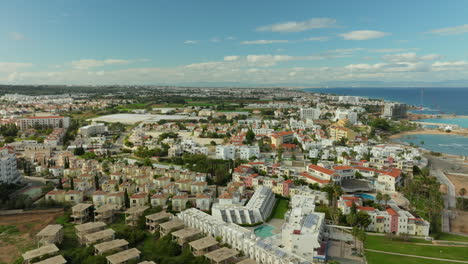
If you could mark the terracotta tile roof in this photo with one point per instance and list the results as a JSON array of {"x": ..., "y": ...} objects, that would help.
[
  {"x": 392, "y": 212},
  {"x": 139, "y": 195},
  {"x": 307, "y": 175},
  {"x": 366, "y": 208},
  {"x": 321, "y": 169}
]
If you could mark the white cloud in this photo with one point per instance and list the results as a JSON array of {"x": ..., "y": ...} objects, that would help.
[
  {"x": 317, "y": 39},
  {"x": 410, "y": 57},
  {"x": 17, "y": 36},
  {"x": 297, "y": 26},
  {"x": 450, "y": 30},
  {"x": 13, "y": 66},
  {"x": 215, "y": 39},
  {"x": 390, "y": 50},
  {"x": 191, "y": 42},
  {"x": 231, "y": 58},
  {"x": 91, "y": 63},
  {"x": 364, "y": 35},
  {"x": 450, "y": 66},
  {"x": 263, "y": 41},
  {"x": 230, "y": 38}
]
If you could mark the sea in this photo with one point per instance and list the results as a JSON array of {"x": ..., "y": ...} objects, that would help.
[{"x": 432, "y": 101}]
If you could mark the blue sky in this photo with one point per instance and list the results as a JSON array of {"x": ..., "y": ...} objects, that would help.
[{"x": 304, "y": 43}]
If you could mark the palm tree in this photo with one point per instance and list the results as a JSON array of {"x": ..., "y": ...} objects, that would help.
[
  {"x": 355, "y": 232},
  {"x": 362, "y": 236},
  {"x": 386, "y": 198},
  {"x": 379, "y": 197},
  {"x": 462, "y": 193}
]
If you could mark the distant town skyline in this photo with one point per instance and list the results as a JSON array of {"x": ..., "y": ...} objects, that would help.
[{"x": 257, "y": 43}]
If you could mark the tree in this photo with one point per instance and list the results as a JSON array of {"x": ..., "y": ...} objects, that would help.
[
  {"x": 126, "y": 199},
  {"x": 72, "y": 184},
  {"x": 379, "y": 197},
  {"x": 362, "y": 236},
  {"x": 250, "y": 136},
  {"x": 462, "y": 193},
  {"x": 386, "y": 197},
  {"x": 60, "y": 184},
  {"x": 355, "y": 232},
  {"x": 96, "y": 182},
  {"x": 351, "y": 219},
  {"x": 363, "y": 219}
]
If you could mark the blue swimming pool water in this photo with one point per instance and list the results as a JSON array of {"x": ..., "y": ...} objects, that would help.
[
  {"x": 365, "y": 196},
  {"x": 264, "y": 231}
]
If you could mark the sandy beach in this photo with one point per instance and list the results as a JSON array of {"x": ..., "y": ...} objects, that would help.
[{"x": 430, "y": 132}]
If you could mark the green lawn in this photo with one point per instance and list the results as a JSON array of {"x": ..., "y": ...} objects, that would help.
[
  {"x": 280, "y": 209},
  {"x": 379, "y": 258},
  {"x": 446, "y": 252},
  {"x": 451, "y": 237}
]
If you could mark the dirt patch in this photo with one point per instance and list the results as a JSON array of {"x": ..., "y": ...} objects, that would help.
[
  {"x": 459, "y": 224},
  {"x": 459, "y": 182},
  {"x": 28, "y": 225}
]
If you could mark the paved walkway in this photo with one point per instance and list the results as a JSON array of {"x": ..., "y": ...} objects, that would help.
[{"x": 415, "y": 256}]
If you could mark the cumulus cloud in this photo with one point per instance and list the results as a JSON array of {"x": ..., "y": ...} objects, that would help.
[
  {"x": 450, "y": 66},
  {"x": 364, "y": 35},
  {"x": 317, "y": 39},
  {"x": 231, "y": 58},
  {"x": 389, "y": 50},
  {"x": 13, "y": 66},
  {"x": 91, "y": 63},
  {"x": 410, "y": 57},
  {"x": 191, "y": 42},
  {"x": 450, "y": 30},
  {"x": 263, "y": 41},
  {"x": 298, "y": 26}
]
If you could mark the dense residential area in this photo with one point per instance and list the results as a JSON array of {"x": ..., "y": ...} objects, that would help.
[{"x": 169, "y": 175}]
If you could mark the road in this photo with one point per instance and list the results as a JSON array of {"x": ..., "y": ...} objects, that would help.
[
  {"x": 450, "y": 198},
  {"x": 415, "y": 256}
]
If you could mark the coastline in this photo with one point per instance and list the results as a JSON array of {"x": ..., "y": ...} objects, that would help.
[{"x": 429, "y": 132}]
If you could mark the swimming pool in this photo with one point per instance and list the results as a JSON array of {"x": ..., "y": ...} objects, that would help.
[
  {"x": 365, "y": 196},
  {"x": 264, "y": 231}
]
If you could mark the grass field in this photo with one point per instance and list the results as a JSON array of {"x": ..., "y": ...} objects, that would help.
[
  {"x": 446, "y": 252},
  {"x": 17, "y": 233},
  {"x": 280, "y": 209},
  {"x": 379, "y": 258},
  {"x": 451, "y": 237}
]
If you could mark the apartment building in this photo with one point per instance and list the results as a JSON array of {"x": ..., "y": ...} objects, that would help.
[
  {"x": 8, "y": 171},
  {"x": 226, "y": 152},
  {"x": 43, "y": 121},
  {"x": 258, "y": 209}
]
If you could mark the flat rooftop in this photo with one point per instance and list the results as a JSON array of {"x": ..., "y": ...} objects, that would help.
[
  {"x": 136, "y": 210},
  {"x": 81, "y": 207},
  {"x": 124, "y": 256},
  {"x": 158, "y": 216},
  {"x": 89, "y": 226},
  {"x": 186, "y": 232},
  {"x": 172, "y": 224},
  {"x": 203, "y": 243},
  {"x": 93, "y": 237},
  {"x": 105, "y": 208},
  {"x": 222, "y": 254},
  {"x": 53, "y": 260},
  {"x": 50, "y": 230},
  {"x": 109, "y": 245},
  {"x": 48, "y": 249},
  {"x": 247, "y": 261}
]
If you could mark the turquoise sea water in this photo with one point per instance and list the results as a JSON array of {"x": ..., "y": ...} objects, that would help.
[
  {"x": 433, "y": 100},
  {"x": 451, "y": 144},
  {"x": 462, "y": 122},
  {"x": 264, "y": 231}
]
